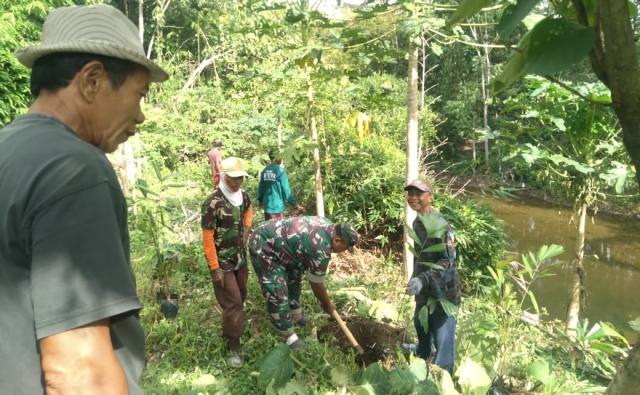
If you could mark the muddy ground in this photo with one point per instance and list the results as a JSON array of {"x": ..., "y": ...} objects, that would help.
[{"x": 379, "y": 341}]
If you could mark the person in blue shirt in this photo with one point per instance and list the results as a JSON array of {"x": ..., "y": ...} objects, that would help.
[{"x": 273, "y": 189}]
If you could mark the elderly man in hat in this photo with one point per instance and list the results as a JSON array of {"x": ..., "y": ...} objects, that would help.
[
  {"x": 69, "y": 319},
  {"x": 282, "y": 250},
  {"x": 215, "y": 159},
  {"x": 226, "y": 225}
]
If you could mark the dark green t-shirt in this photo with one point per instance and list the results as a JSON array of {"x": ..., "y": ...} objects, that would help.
[{"x": 64, "y": 250}]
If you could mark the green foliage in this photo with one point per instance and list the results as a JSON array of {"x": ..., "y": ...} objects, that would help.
[
  {"x": 513, "y": 14},
  {"x": 576, "y": 143},
  {"x": 276, "y": 367},
  {"x": 571, "y": 43}
]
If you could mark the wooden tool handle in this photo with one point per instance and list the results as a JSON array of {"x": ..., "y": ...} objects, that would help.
[{"x": 347, "y": 332}]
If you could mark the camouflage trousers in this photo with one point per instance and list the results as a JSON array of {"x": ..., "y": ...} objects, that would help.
[{"x": 281, "y": 288}]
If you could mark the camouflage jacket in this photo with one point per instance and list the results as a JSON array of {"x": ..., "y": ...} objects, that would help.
[
  {"x": 298, "y": 243},
  {"x": 439, "y": 283},
  {"x": 226, "y": 221}
]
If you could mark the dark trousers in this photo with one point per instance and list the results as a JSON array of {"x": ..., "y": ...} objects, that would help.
[
  {"x": 442, "y": 332},
  {"x": 267, "y": 217},
  {"x": 231, "y": 298}
]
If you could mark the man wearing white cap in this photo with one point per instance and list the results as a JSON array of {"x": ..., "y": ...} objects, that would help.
[
  {"x": 226, "y": 225},
  {"x": 69, "y": 316}
]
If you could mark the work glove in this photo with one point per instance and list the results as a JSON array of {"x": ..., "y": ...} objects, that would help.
[{"x": 414, "y": 286}]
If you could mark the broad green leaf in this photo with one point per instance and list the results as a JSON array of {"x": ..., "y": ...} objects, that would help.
[
  {"x": 277, "y": 366},
  {"x": 401, "y": 381},
  {"x": 604, "y": 347},
  {"x": 435, "y": 248},
  {"x": 432, "y": 265},
  {"x": 514, "y": 68},
  {"x": 363, "y": 309},
  {"x": 635, "y": 324},
  {"x": 341, "y": 376},
  {"x": 434, "y": 224},
  {"x": 472, "y": 378},
  {"x": 381, "y": 309},
  {"x": 547, "y": 252},
  {"x": 449, "y": 308},
  {"x": 446, "y": 384},
  {"x": 144, "y": 188},
  {"x": 633, "y": 9},
  {"x": 156, "y": 168},
  {"x": 534, "y": 302},
  {"x": 609, "y": 331},
  {"x": 541, "y": 371},
  {"x": 414, "y": 236},
  {"x": 559, "y": 122},
  {"x": 294, "y": 387},
  {"x": 423, "y": 317},
  {"x": 418, "y": 368},
  {"x": 467, "y": 9},
  {"x": 374, "y": 380},
  {"x": 500, "y": 264},
  {"x": 557, "y": 44},
  {"x": 514, "y": 14}
]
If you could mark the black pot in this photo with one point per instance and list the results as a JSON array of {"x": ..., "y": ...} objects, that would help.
[{"x": 170, "y": 307}]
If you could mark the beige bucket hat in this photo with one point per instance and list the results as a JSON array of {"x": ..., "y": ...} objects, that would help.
[
  {"x": 100, "y": 29},
  {"x": 234, "y": 167}
]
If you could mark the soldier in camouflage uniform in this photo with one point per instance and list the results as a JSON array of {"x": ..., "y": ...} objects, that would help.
[
  {"x": 428, "y": 281},
  {"x": 226, "y": 225},
  {"x": 281, "y": 251}
]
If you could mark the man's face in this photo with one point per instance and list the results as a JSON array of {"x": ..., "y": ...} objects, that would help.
[
  {"x": 418, "y": 200},
  {"x": 233, "y": 183},
  {"x": 115, "y": 113},
  {"x": 337, "y": 244}
]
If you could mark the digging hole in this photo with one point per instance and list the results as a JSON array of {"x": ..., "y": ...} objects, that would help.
[{"x": 378, "y": 340}]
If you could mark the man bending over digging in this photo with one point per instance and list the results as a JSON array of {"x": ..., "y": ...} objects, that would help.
[{"x": 281, "y": 250}]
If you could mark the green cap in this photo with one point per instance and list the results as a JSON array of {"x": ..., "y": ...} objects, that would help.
[{"x": 348, "y": 234}]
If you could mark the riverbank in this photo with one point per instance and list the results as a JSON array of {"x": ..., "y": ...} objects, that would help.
[{"x": 483, "y": 183}]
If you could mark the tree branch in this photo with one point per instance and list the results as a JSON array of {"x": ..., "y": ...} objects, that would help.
[
  {"x": 575, "y": 92},
  {"x": 200, "y": 68}
]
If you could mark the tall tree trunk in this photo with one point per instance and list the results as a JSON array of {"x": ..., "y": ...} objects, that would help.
[
  {"x": 316, "y": 153},
  {"x": 412, "y": 149},
  {"x": 141, "y": 20},
  {"x": 486, "y": 77},
  {"x": 578, "y": 283},
  {"x": 617, "y": 66},
  {"x": 473, "y": 151},
  {"x": 627, "y": 379}
]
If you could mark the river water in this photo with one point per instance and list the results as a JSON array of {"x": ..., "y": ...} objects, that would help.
[{"x": 612, "y": 249}]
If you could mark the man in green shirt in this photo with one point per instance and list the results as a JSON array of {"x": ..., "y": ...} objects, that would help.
[
  {"x": 273, "y": 189},
  {"x": 69, "y": 312}
]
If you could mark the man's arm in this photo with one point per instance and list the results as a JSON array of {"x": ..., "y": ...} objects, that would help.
[
  {"x": 320, "y": 291},
  {"x": 82, "y": 361}
]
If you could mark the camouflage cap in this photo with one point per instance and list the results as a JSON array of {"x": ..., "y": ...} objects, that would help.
[{"x": 348, "y": 234}]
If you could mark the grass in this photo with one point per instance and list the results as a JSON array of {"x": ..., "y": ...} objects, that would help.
[{"x": 189, "y": 351}]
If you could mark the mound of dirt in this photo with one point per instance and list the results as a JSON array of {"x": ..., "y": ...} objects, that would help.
[{"x": 378, "y": 340}]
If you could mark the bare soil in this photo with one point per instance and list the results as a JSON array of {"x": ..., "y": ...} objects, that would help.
[{"x": 378, "y": 340}]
